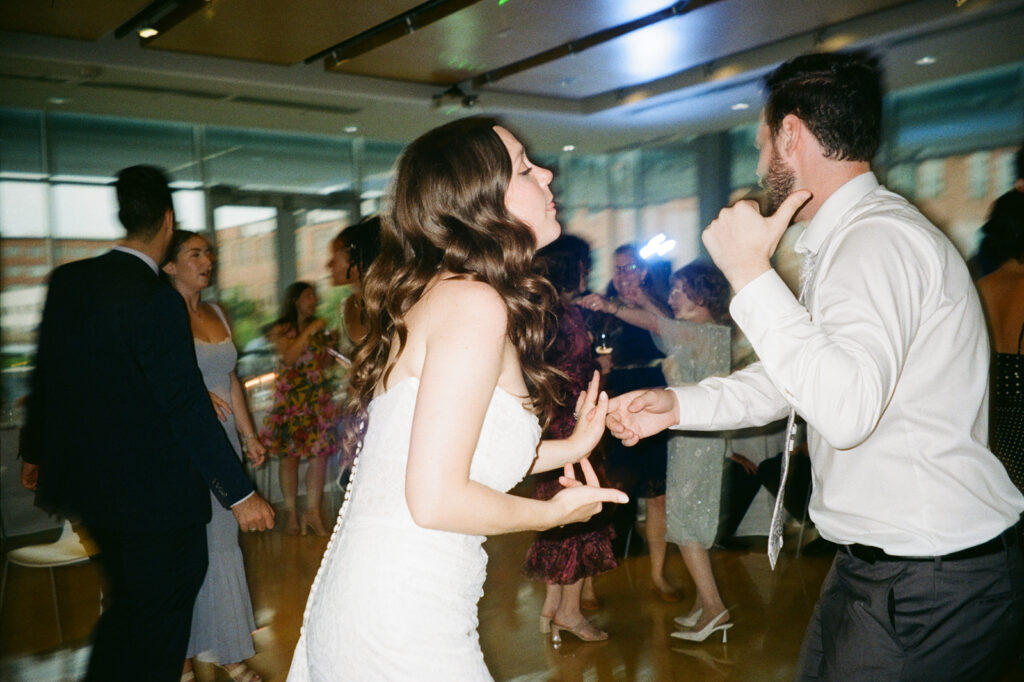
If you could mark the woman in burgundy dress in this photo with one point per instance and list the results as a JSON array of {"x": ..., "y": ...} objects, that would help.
[{"x": 567, "y": 557}]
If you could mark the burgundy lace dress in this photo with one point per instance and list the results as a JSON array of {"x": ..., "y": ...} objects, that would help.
[{"x": 563, "y": 556}]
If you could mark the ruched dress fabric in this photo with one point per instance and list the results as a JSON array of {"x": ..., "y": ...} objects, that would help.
[
  {"x": 392, "y": 600},
  {"x": 696, "y": 461},
  {"x": 222, "y": 620}
]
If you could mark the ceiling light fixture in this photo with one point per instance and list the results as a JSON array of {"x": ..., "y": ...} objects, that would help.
[
  {"x": 454, "y": 96},
  {"x": 159, "y": 16},
  {"x": 351, "y": 129},
  {"x": 569, "y": 148},
  {"x": 740, "y": 106},
  {"x": 415, "y": 19},
  {"x": 926, "y": 60}
]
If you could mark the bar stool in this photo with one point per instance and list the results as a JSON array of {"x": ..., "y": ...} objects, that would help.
[{"x": 68, "y": 550}]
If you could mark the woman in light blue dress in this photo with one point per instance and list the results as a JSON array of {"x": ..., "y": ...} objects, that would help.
[
  {"x": 222, "y": 619},
  {"x": 696, "y": 345}
]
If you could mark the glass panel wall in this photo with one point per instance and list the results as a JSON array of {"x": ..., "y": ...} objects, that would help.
[
  {"x": 247, "y": 269},
  {"x": 948, "y": 147},
  {"x": 94, "y": 148},
  {"x": 271, "y": 161}
]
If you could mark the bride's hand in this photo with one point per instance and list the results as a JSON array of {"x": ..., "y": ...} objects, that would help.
[
  {"x": 579, "y": 501},
  {"x": 591, "y": 410}
]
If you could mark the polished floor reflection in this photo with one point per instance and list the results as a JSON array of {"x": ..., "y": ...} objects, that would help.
[{"x": 769, "y": 610}]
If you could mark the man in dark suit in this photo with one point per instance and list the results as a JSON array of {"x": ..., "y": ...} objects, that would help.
[{"x": 121, "y": 434}]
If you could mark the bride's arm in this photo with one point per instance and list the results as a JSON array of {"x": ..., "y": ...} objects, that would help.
[
  {"x": 591, "y": 410},
  {"x": 465, "y": 349}
]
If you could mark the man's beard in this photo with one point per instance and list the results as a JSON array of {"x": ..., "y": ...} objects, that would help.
[{"x": 778, "y": 183}]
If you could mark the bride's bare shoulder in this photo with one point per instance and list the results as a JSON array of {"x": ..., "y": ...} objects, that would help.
[{"x": 464, "y": 299}]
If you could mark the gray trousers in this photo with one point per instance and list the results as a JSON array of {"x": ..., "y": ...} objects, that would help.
[{"x": 915, "y": 620}]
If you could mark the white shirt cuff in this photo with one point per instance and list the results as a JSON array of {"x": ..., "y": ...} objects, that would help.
[{"x": 243, "y": 499}]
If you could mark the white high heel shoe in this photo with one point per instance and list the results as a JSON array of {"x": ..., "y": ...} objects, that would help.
[
  {"x": 708, "y": 630},
  {"x": 690, "y": 620}
]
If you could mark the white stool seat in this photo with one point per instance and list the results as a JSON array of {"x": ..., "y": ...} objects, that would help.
[{"x": 69, "y": 549}]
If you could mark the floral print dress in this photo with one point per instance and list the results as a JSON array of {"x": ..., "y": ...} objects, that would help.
[{"x": 303, "y": 420}]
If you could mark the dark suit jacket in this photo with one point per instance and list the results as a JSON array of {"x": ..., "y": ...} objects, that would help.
[{"x": 119, "y": 420}]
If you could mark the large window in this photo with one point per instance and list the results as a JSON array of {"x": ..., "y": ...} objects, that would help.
[
  {"x": 273, "y": 200},
  {"x": 247, "y": 268}
]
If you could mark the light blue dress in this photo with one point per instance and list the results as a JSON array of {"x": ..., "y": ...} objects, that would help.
[
  {"x": 696, "y": 461},
  {"x": 222, "y": 620}
]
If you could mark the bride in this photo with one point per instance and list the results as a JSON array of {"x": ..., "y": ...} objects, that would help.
[{"x": 446, "y": 392}]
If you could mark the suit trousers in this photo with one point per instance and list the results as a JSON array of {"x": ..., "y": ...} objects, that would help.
[
  {"x": 915, "y": 620},
  {"x": 152, "y": 581}
]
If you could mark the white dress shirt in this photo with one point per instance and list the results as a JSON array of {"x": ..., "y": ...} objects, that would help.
[
  {"x": 888, "y": 364},
  {"x": 141, "y": 256}
]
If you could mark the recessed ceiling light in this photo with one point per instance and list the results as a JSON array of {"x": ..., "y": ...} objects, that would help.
[
  {"x": 58, "y": 100},
  {"x": 568, "y": 148},
  {"x": 926, "y": 60},
  {"x": 504, "y": 33},
  {"x": 351, "y": 129},
  {"x": 148, "y": 32},
  {"x": 740, "y": 106}
]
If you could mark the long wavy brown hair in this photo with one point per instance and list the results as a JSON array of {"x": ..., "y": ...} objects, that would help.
[{"x": 447, "y": 214}]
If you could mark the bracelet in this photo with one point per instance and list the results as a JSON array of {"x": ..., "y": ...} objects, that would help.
[{"x": 249, "y": 437}]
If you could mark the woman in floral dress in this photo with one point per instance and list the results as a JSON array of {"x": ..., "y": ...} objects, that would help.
[{"x": 302, "y": 423}]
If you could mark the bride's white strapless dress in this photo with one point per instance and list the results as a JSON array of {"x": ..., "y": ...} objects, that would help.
[{"x": 392, "y": 600}]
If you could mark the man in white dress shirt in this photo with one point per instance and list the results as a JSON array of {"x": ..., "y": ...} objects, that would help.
[{"x": 885, "y": 356}]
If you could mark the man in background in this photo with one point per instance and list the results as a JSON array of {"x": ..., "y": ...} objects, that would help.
[{"x": 121, "y": 434}]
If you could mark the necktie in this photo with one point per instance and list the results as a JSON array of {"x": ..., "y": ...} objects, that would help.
[{"x": 775, "y": 529}]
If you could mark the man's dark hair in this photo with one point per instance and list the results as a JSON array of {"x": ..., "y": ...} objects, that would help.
[
  {"x": 837, "y": 96},
  {"x": 143, "y": 198},
  {"x": 1018, "y": 163},
  {"x": 1003, "y": 233}
]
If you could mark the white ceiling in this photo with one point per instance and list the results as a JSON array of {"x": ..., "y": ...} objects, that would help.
[{"x": 239, "y": 63}]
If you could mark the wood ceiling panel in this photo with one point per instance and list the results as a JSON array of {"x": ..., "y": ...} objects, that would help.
[
  {"x": 489, "y": 34},
  {"x": 278, "y": 32},
  {"x": 82, "y": 19},
  {"x": 696, "y": 38}
]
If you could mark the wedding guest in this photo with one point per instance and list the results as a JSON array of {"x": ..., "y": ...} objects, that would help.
[
  {"x": 301, "y": 424},
  {"x": 447, "y": 390},
  {"x": 697, "y": 345},
  {"x": 885, "y": 356},
  {"x": 564, "y": 558},
  {"x": 1002, "y": 294},
  {"x": 222, "y": 620},
  {"x": 352, "y": 251},
  {"x": 636, "y": 363},
  {"x": 120, "y": 433}
]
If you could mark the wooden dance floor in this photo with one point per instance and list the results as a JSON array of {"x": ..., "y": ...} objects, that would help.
[{"x": 769, "y": 610}]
